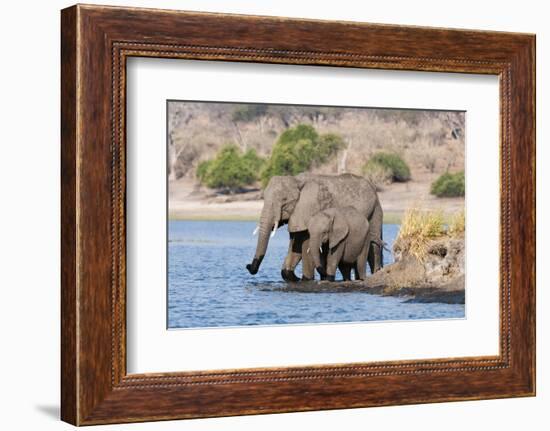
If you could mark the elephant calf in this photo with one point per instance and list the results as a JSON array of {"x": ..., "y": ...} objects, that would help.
[{"x": 346, "y": 232}]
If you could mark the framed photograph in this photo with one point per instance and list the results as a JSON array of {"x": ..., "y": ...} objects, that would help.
[{"x": 264, "y": 214}]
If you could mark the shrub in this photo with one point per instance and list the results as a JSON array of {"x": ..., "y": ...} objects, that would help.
[
  {"x": 230, "y": 169},
  {"x": 378, "y": 174},
  {"x": 202, "y": 169},
  {"x": 417, "y": 229},
  {"x": 449, "y": 185},
  {"x": 252, "y": 160},
  {"x": 327, "y": 146},
  {"x": 395, "y": 165},
  {"x": 298, "y": 149}
]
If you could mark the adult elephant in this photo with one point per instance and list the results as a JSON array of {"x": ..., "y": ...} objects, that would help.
[{"x": 294, "y": 200}]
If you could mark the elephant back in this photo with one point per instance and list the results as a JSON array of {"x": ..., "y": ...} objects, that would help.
[{"x": 322, "y": 192}]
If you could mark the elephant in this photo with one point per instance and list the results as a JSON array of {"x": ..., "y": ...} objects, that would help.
[
  {"x": 293, "y": 200},
  {"x": 280, "y": 198},
  {"x": 345, "y": 230}
]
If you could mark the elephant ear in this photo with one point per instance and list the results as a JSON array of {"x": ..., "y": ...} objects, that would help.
[
  {"x": 307, "y": 205},
  {"x": 283, "y": 195},
  {"x": 338, "y": 231},
  {"x": 292, "y": 196}
]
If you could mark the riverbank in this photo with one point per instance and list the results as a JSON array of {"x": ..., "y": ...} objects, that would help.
[
  {"x": 450, "y": 293},
  {"x": 434, "y": 276},
  {"x": 236, "y": 214},
  {"x": 190, "y": 201}
]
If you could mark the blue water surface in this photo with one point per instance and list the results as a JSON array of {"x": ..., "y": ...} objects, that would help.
[{"x": 209, "y": 286}]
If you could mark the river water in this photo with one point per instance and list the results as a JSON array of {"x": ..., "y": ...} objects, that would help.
[{"x": 209, "y": 286}]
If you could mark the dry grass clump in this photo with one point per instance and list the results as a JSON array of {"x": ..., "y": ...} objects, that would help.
[
  {"x": 417, "y": 229},
  {"x": 457, "y": 224}
]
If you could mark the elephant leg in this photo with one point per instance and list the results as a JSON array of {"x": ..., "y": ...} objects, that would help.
[
  {"x": 361, "y": 264},
  {"x": 308, "y": 267},
  {"x": 375, "y": 258},
  {"x": 286, "y": 263},
  {"x": 291, "y": 260},
  {"x": 294, "y": 255},
  {"x": 345, "y": 269},
  {"x": 333, "y": 259},
  {"x": 324, "y": 254}
]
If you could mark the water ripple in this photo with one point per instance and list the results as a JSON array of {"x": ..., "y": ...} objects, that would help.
[{"x": 208, "y": 285}]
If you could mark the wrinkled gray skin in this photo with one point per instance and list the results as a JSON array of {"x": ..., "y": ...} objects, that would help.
[
  {"x": 280, "y": 198},
  {"x": 345, "y": 231},
  {"x": 294, "y": 200}
]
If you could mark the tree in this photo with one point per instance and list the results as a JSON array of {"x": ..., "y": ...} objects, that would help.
[
  {"x": 178, "y": 118},
  {"x": 286, "y": 114},
  {"x": 342, "y": 165},
  {"x": 298, "y": 149},
  {"x": 245, "y": 114},
  {"x": 249, "y": 112}
]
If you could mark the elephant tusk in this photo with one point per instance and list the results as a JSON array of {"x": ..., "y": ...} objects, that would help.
[
  {"x": 307, "y": 251},
  {"x": 274, "y": 229},
  {"x": 321, "y": 249},
  {"x": 255, "y": 231}
]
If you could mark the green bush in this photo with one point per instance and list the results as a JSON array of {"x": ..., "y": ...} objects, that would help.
[
  {"x": 449, "y": 185},
  {"x": 298, "y": 149},
  {"x": 327, "y": 146},
  {"x": 379, "y": 175},
  {"x": 391, "y": 163},
  {"x": 252, "y": 160},
  {"x": 202, "y": 170},
  {"x": 230, "y": 169}
]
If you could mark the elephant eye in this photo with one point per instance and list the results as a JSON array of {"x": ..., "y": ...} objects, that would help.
[{"x": 284, "y": 207}]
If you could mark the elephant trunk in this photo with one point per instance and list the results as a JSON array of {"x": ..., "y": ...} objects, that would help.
[
  {"x": 266, "y": 223},
  {"x": 315, "y": 251}
]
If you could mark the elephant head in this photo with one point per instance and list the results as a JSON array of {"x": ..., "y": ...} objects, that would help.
[
  {"x": 328, "y": 226},
  {"x": 314, "y": 197},
  {"x": 280, "y": 197}
]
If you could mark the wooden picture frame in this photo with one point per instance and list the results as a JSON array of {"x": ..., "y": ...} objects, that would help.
[{"x": 95, "y": 43}]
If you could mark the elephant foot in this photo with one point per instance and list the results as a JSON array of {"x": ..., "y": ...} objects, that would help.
[
  {"x": 304, "y": 278},
  {"x": 330, "y": 277},
  {"x": 321, "y": 272},
  {"x": 255, "y": 265},
  {"x": 288, "y": 275}
]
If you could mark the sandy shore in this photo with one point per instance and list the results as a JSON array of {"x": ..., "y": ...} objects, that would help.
[{"x": 187, "y": 201}]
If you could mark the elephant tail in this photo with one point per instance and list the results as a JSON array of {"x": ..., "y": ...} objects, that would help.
[{"x": 383, "y": 245}]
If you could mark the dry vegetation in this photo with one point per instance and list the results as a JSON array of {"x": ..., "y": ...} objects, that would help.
[
  {"x": 419, "y": 228},
  {"x": 429, "y": 252},
  {"x": 429, "y": 141}
]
